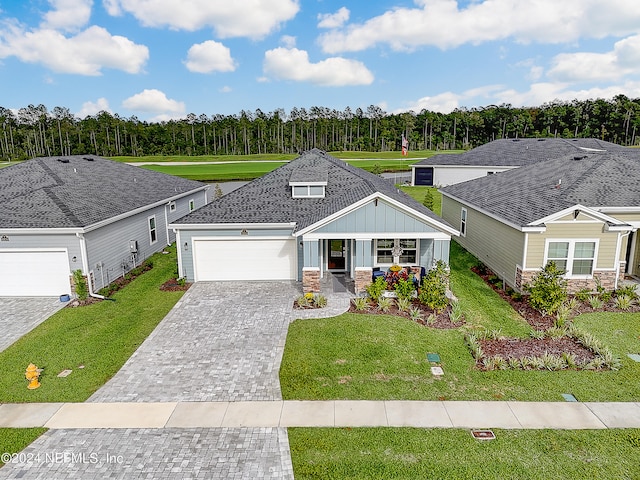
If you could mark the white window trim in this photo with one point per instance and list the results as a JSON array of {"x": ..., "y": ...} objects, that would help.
[
  {"x": 463, "y": 222},
  {"x": 192, "y": 205},
  {"x": 308, "y": 194},
  {"x": 570, "y": 258},
  {"x": 396, "y": 260},
  {"x": 154, "y": 229}
]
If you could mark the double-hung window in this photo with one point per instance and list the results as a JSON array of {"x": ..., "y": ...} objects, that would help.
[
  {"x": 396, "y": 250},
  {"x": 575, "y": 257},
  {"x": 153, "y": 234}
]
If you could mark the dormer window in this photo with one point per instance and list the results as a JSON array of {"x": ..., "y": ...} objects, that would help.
[
  {"x": 308, "y": 182},
  {"x": 307, "y": 191}
]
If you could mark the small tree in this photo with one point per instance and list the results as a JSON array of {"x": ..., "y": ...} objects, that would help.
[
  {"x": 548, "y": 289},
  {"x": 433, "y": 292},
  {"x": 217, "y": 192},
  {"x": 82, "y": 289},
  {"x": 428, "y": 199}
]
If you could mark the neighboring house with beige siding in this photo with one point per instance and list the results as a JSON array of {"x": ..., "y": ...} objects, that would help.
[{"x": 580, "y": 211}]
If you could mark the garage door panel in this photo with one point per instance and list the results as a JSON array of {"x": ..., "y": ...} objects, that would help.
[
  {"x": 34, "y": 273},
  {"x": 244, "y": 259}
]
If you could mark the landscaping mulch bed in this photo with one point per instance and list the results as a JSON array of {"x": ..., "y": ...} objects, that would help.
[
  {"x": 173, "y": 285},
  {"x": 440, "y": 320},
  {"x": 533, "y": 347}
]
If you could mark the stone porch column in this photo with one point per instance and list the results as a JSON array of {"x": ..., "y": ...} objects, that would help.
[{"x": 311, "y": 279}]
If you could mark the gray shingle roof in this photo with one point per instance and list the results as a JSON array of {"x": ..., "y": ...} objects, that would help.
[
  {"x": 268, "y": 198},
  {"x": 519, "y": 152},
  {"x": 79, "y": 191},
  {"x": 524, "y": 195}
]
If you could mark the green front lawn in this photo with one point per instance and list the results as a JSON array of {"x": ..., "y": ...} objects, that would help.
[
  {"x": 93, "y": 341},
  {"x": 359, "y": 356},
  {"x": 408, "y": 453}
]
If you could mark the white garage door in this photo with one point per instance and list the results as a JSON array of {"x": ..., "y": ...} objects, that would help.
[
  {"x": 263, "y": 259},
  {"x": 34, "y": 273}
]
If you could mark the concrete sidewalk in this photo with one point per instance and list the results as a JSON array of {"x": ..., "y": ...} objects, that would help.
[{"x": 333, "y": 413}]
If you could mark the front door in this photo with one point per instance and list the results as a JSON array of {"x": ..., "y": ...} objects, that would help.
[{"x": 336, "y": 260}]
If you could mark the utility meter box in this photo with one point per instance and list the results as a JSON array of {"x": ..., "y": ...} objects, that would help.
[{"x": 133, "y": 246}]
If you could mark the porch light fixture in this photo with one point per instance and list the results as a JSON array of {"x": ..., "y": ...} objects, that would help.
[
  {"x": 244, "y": 232},
  {"x": 186, "y": 246},
  {"x": 74, "y": 259}
]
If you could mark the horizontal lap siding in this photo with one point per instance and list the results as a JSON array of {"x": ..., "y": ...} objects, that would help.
[
  {"x": 495, "y": 244},
  {"x": 607, "y": 242}
]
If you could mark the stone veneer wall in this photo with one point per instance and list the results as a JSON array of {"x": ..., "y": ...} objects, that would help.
[
  {"x": 363, "y": 279},
  {"x": 311, "y": 279},
  {"x": 607, "y": 279}
]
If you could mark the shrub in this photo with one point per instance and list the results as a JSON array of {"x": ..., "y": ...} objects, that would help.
[
  {"x": 361, "y": 304},
  {"x": 428, "y": 199},
  {"x": 433, "y": 292},
  {"x": 627, "y": 291},
  {"x": 403, "y": 304},
  {"x": 548, "y": 290},
  {"x": 82, "y": 289},
  {"x": 385, "y": 304},
  {"x": 583, "y": 295},
  {"x": 623, "y": 302},
  {"x": 320, "y": 300},
  {"x": 415, "y": 314},
  {"x": 376, "y": 288},
  {"x": 404, "y": 288},
  {"x": 595, "y": 302},
  {"x": 456, "y": 312}
]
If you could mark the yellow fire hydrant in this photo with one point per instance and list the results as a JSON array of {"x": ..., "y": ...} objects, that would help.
[{"x": 32, "y": 375}]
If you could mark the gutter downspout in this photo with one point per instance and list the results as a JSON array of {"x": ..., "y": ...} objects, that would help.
[
  {"x": 166, "y": 221},
  {"x": 85, "y": 264}
]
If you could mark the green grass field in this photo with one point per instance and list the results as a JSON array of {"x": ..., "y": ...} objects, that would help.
[{"x": 408, "y": 453}]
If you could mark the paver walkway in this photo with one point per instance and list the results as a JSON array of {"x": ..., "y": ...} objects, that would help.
[{"x": 20, "y": 315}]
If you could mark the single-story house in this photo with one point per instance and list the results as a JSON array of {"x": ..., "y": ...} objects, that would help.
[
  {"x": 312, "y": 215},
  {"x": 61, "y": 214},
  {"x": 499, "y": 156},
  {"x": 581, "y": 211}
]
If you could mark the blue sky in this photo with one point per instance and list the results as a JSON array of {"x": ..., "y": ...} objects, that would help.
[{"x": 162, "y": 59}]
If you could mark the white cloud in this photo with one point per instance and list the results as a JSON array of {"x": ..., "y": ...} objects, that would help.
[
  {"x": 623, "y": 60},
  {"x": 93, "y": 108},
  {"x": 68, "y": 15},
  {"x": 155, "y": 102},
  {"x": 225, "y": 89},
  {"x": 334, "y": 20},
  {"x": 86, "y": 53},
  {"x": 253, "y": 18},
  {"x": 446, "y": 102},
  {"x": 293, "y": 64},
  {"x": 288, "y": 41},
  {"x": 443, "y": 23},
  {"x": 208, "y": 57}
]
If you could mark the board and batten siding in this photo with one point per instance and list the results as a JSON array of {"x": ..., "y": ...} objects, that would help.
[
  {"x": 186, "y": 242},
  {"x": 376, "y": 219},
  {"x": 607, "y": 242},
  {"x": 499, "y": 246}
]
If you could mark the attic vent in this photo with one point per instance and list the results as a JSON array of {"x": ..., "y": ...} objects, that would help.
[
  {"x": 515, "y": 140},
  {"x": 579, "y": 157},
  {"x": 63, "y": 160},
  {"x": 88, "y": 159},
  {"x": 541, "y": 139}
]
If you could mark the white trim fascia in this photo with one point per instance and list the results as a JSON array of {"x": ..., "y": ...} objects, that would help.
[
  {"x": 586, "y": 210},
  {"x": 131, "y": 213},
  {"x": 617, "y": 209},
  {"x": 619, "y": 228},
  {"x": 239, "y": 238},
  {"x": 495, "y": 167},
  {"x": 320, "y": 183},
  {"x": 524, "y": 251},
  {"x": 372, "y": 236},
  {"x": 401, "y": 206},
  {"x": 40, "y": 231},
  {"x": 230, "y": 226},
  {"x": 520, "y": 228}
]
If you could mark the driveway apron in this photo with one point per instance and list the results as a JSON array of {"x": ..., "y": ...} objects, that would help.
[
  {"x": 20, "y": 315},
  {"x": 222, "y": 342}
]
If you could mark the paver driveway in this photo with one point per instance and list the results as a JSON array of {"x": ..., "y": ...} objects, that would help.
[
  {"x": 20, "y": 315},
  {"x": 222, "y": 342}
]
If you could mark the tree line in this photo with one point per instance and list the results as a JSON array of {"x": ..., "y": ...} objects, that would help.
[{"x": 35, "y": 131}]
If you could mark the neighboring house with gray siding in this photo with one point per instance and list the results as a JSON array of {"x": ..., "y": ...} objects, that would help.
[
  {"x": 61, "y": 214},
  {"x": 314, "y": 215},
  {"x": 581, "y": 211},
  {"x": 498, "y": 156}
]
